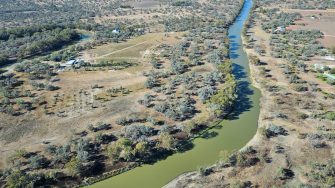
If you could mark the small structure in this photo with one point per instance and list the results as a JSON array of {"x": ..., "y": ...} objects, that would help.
[
  {"x": 76, "y": 63},
  {"x": 329, "y": 58},
  {"x": 71, "y": 62},
  {"x": 116, "y": 31},
  {"x": 280, "y": 29}
]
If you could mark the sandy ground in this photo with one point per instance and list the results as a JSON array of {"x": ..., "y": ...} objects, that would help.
[{"x": 322, "y": 20}]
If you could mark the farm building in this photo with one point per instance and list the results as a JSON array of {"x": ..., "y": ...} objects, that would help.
[
  {"x": 116, "y": 31},
  {"x": 71, "y": 63}
]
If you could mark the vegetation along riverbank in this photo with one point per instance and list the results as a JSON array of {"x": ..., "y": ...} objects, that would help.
[
  {"x": 135, "y": 93},
  {"x": 294, "y": 144}
]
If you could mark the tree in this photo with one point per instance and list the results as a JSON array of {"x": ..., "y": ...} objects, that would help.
[
  {"x": 178, "y": 67},
  {"x": 18, "y": 179},
  {"x": 37, "y": 162},
  {"x": 121, "y": 149},
  {"x": 74, "y": 166},
  {"x": 151, "y": 82},
  {"x": 225, "y": 67},
  {"x": 137, "y": 132},
  {"x": 222, "y": 102},
  {"x": 141, "y": 148},
  {"x": 3, "y": 60},
  {"x": 205, "y": 93},
  {"x": 167, "y": 141}
]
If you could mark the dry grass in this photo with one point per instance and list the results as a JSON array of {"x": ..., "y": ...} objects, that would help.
[
  {"x": 135, "y": 48},
  {"x": 323, "y": 20}
]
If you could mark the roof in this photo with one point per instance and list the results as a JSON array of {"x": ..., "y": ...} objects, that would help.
[
  {"x": 330, "y": 58},
  {"x": 116, "y": 31},
  {"x": 330, "y": 75},
  {"x": 71, "y": 62}
]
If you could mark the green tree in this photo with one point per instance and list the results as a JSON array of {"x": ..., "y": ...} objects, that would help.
[
  {"x": 141, "y": 148},
  {"x": 167, "y": 141},
  {"x": 222, "y": 102},
  {"x": 121, "y": 149},
  {"x": 225, "y": 67},
  {"x": 74, "y": 166}
]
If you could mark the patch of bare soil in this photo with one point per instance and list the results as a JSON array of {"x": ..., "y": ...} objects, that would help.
[{"x": 322, "y": 20}]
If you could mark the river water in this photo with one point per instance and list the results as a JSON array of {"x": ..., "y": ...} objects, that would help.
[{"x": 232, "y": 135}]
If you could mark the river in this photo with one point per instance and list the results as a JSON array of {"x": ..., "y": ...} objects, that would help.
[{"x": 234, "y": 133}]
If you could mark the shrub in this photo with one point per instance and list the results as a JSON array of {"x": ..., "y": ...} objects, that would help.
[
  {"x": 301, "y": 88},
  {"x": 204, "y": 171},
  {"x": 323, "y": 174},
  {"x": 18, "y": 179},
  {"x": 284, "y": 173},
  {"x": 37, "y": 162},
  {"x": 102, "y": 126},
  {"x": 178, "y": 67},
  {"x": 274, "y": 130},
  {"x": 74, "y": 167},
  {"x": 330, "y": 116},
  {"x": 222, "y": 102},
  {"x": 206, "y": 92},
  {"x": 138, "y": 132},
  {"x": 146, "y": 101},
  {"x": 121, "y": 149},
  {"x": 255, "y": 60},
  {"x": 166, "y": 141},
  {"x": 62, "y": 154},
  {"x": 129, "y": 120},
  {"x": 51, "y": 88},
  {"x": 151, "y": 82}
]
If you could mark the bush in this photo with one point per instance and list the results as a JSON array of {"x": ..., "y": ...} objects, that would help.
[
  {"x": 62, "y": 154},
  {"x": 18, "y": 179},
  {"x": 146, "y": 101},
  {"x": 138, "y": 132},
  {"x": 3, "y": 60},
  {"x": 301, "y": 88},
  {"x": 151, "y": 82},
  {"x": 51, "y": 88},
  {"x": 166, "y": 141},
  {"x": 330, "y": 116},
  {"x": 74, "y": 167},
  {"x": 204, "y": 171},
  {"x": 121, "y": 149},
  {"x": 274, "y": 130},
  {"x": 129, "y": 120},
  {"x": 206, "y": 92},
  {"x": 37, "y": 162},
  {"x": 102, "y": 126},
  {"x": 178, "y": 67},
  {"x": 323, "y": 174},
  {"x": 255, "y": 60},
  {"x": 284, "y": 173}
]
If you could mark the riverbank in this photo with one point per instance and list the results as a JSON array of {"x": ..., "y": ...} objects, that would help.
[
  {"x": 242, "y": 122},
  {"x": 193, "y": 178},
  {"x": 264, "y": 99},
  {"x": 292, "y": 147}
]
